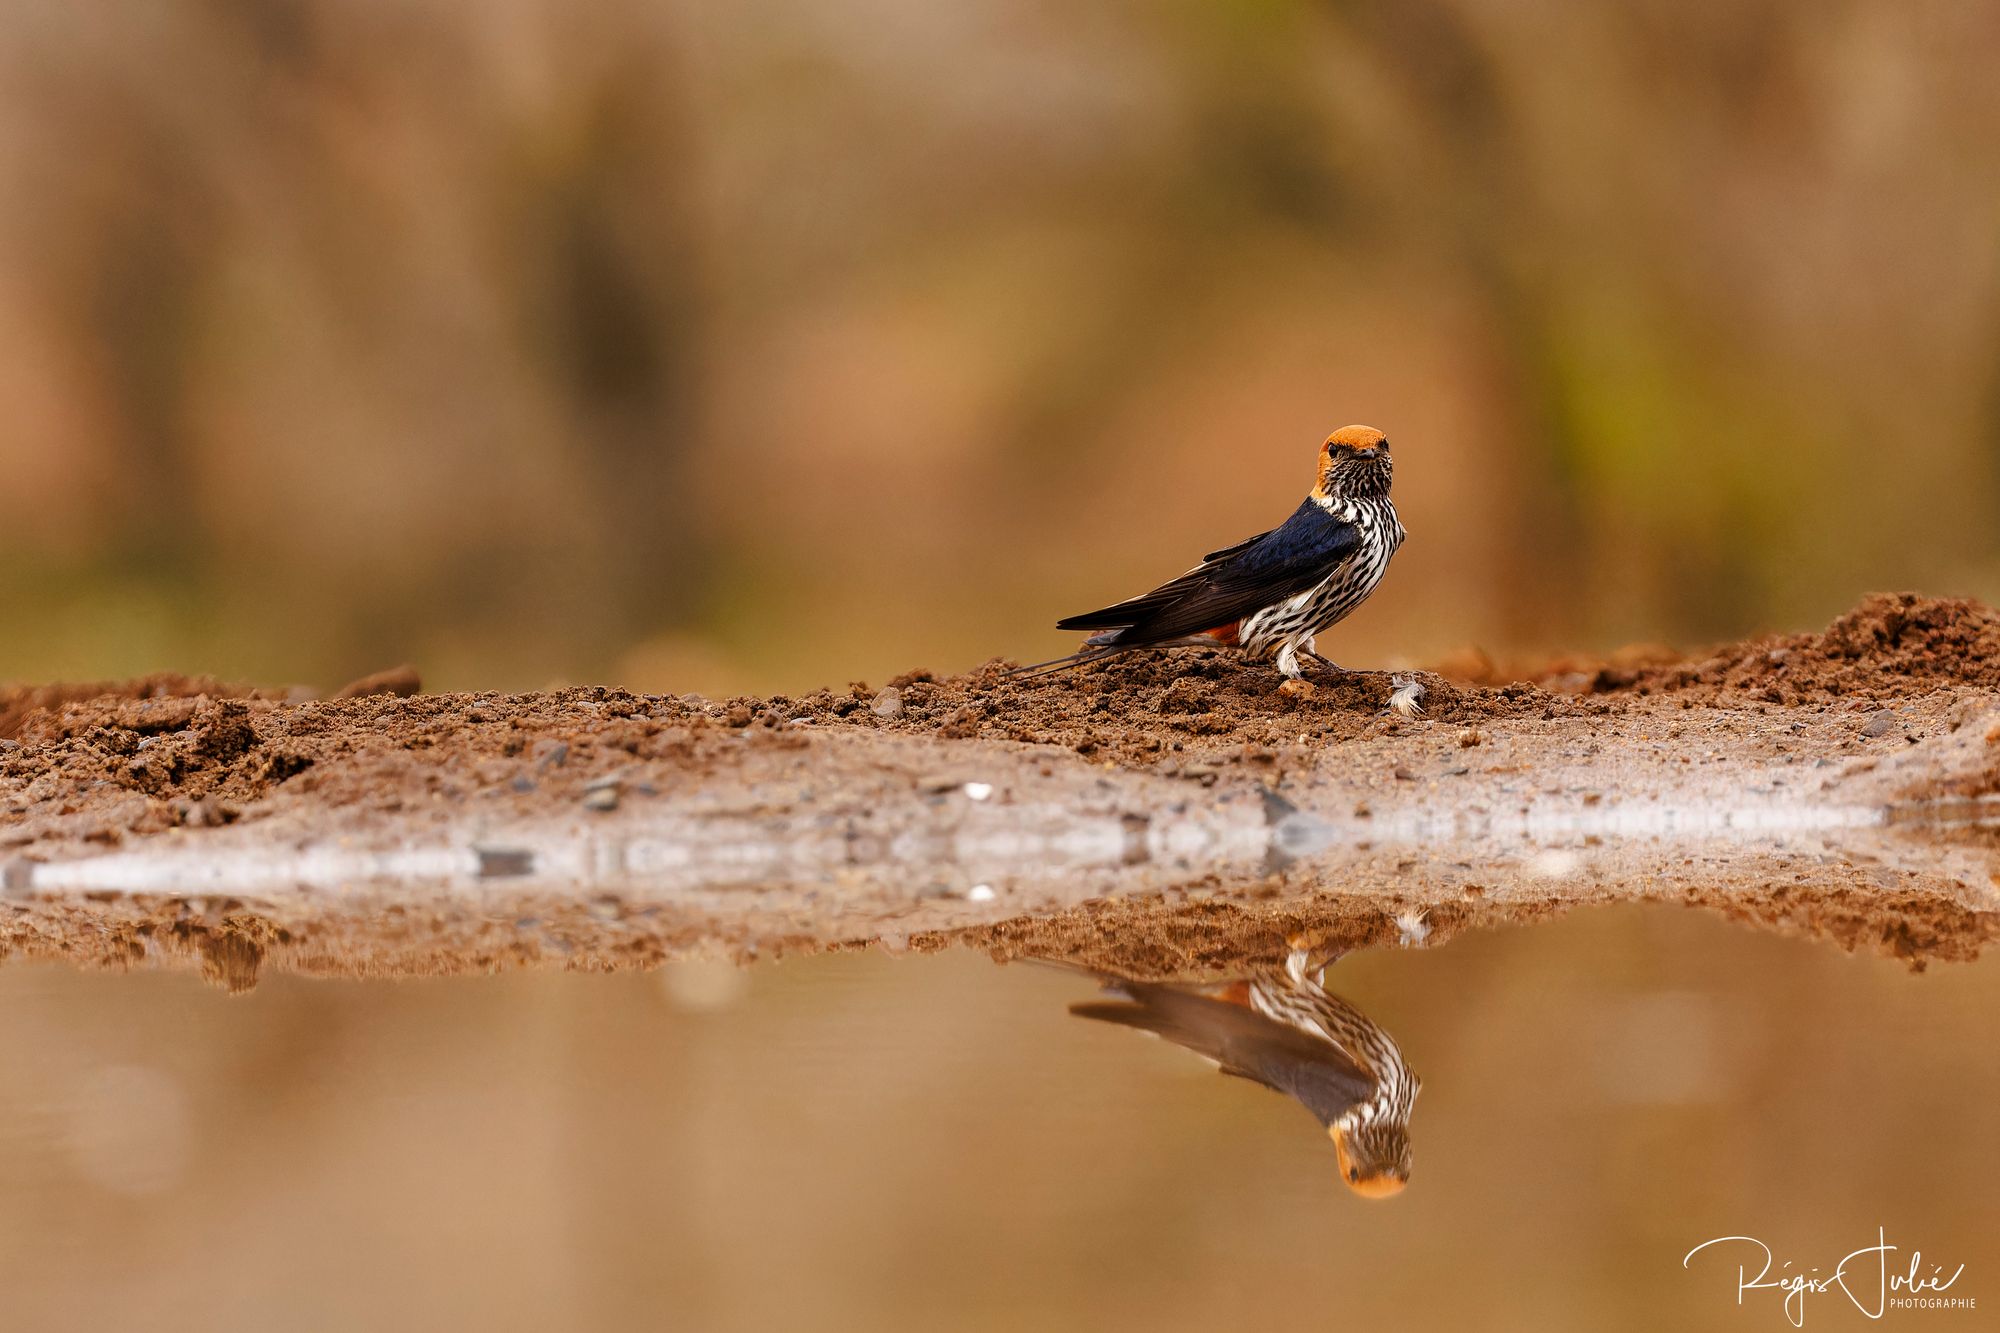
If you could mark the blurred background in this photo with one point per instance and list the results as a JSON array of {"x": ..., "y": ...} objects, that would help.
[
  {"x": 861, "y": 1142},
  {"x": 758, "y": 345}
]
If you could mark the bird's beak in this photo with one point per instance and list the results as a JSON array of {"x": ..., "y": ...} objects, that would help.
[{"x": 1378, "y": 1186}]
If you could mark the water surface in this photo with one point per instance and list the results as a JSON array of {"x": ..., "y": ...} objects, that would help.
[{"x": 865, "y": 1141}]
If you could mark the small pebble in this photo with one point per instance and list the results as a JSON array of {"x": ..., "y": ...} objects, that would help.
[
  {"x": 980, "y": 893},
  {"x": 1882, "y": 724},
  {"x": 1468, "y": 739},
  {"x": 601, "y": 798},
  {"x": 888, "y": 704},
  {"x": 978, "y": 791}
]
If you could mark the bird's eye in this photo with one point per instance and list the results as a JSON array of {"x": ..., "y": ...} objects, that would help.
[{"x": 1354, "y": 1173}]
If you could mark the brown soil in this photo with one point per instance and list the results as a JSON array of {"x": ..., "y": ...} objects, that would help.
[
  {"x": 89, "y": 768},
  {"x": 1889, "y": 647}
]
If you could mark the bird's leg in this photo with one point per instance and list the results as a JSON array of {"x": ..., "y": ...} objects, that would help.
[
  {"x": 1304, "y": 960},
  {"x": 1288, "y": 662}
]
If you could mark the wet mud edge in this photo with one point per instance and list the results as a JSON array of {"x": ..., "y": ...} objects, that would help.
[{"x": 1892, "y": 704}]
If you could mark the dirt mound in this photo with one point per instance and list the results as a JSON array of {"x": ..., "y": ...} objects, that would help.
[
  {"x": 165, "y": 750},
  {"x": 140, "y": 758},
  {"x": 19, "y": 702},
  {"x": 1148, "y": 707},
  {"x": 1887, "y": 647},
  {"x": 1156, "y": 708}
]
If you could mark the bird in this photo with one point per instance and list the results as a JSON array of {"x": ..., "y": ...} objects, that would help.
[
  {"x": 1271, "y": 594},
  {"x": 1280, "y": 1027}
]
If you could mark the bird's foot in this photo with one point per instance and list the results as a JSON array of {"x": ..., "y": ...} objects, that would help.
[
  {"x": 1294, "y": 685},
  {"x": 1329, "y": 666}
]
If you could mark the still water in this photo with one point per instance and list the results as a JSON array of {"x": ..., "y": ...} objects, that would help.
[{"x": 873, "y": 1142}]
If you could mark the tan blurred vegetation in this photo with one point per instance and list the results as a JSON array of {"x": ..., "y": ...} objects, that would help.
[{"x": 756, "y": 345}]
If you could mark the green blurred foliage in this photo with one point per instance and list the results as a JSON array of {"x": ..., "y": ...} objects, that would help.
[{"x": 704, "y": 346}]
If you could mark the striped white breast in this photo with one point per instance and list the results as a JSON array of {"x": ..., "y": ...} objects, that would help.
[{"x": 1330, "y": 601}]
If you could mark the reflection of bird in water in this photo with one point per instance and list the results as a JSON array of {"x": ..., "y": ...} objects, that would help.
[
  {"x": 1269, "y": 595},
  {"x": 1278, "y": 1027}
]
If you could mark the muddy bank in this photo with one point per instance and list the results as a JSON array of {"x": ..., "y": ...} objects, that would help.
[{"x": 1166, "y": 812}]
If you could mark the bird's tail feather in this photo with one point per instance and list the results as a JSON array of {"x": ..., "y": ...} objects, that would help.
[
  {"x": 1082, "y": 657},
  {"x": 1095, "y": 650},
  {"x": 1122, "y": 616}
]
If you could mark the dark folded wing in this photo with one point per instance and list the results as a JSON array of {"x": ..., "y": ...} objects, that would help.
[
  {"x": 1239, "y": 548},
  {"x": 1232, "y": 583},
  {"x": 1318, "y": 1074}
]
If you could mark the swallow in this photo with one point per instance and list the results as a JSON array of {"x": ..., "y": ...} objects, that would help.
[
  {"x": 1271, "y": 594},
  {"x": 1279, "y": 1027}
]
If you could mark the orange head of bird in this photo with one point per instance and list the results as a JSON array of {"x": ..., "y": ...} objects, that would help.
[
  {"x": 1354, "y": 463},
  {"x": 1374, "y": 1157}
]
